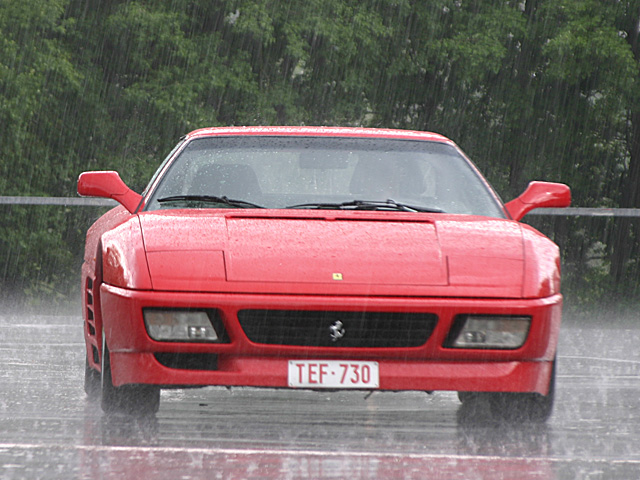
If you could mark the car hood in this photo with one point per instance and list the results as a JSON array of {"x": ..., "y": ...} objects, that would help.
[{"x": 342, "y": 253}]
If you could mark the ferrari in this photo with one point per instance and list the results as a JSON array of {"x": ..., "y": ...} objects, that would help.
[{"x": 320, "y": 258}]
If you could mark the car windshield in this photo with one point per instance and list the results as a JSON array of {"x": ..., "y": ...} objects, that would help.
[{"x": 323, "y": 173}]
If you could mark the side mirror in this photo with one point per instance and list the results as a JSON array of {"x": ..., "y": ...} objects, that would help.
[
  {"x": 539, "y": 195},
  {"x": 108, "y": 184}
]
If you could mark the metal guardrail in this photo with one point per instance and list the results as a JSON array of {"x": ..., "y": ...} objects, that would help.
[
  {"x": 61, "y": 201},
  {"x": 587, "y": 212},
  {"x": 105, "y": 202}
]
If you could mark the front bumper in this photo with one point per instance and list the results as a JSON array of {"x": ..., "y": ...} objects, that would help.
[{"x": 243, "y": 363}]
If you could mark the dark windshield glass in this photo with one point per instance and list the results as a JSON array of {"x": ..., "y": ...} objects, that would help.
[{"x": 303, "y": 172}]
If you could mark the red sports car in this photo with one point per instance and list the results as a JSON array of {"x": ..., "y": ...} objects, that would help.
[{"x": 320, "y": 258}]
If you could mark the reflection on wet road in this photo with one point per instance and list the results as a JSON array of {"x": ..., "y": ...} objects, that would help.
[{"x": 50, "y": 430}]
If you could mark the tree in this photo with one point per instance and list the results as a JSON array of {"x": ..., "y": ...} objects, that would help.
[
  {"x": 626, "y": 237},
  {"x": 37, "y": 77},
  {"x": 542, "y": 89}
]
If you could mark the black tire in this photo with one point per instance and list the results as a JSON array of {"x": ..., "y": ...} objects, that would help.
[
  {"x": 128, "y": 399},
  {"x": 91, "y": 381},
  {"x": 466, "y": 396},
  {"x": 525, "y": 407},
  {"x": 514, "y": 407}
]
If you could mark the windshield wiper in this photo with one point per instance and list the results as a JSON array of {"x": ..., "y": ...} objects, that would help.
[
  {"x": 368, "y": 205},
  {"x": 209, "y": 199}
]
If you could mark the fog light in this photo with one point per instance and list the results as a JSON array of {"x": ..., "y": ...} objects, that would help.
[
  {"x": 179, "y": 326},
  {"x": 483, "y": 331},
  {"x": 475, "y": 337},
  {"x": 198, "y": 332}
]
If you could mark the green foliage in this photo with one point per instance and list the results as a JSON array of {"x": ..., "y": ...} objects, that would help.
[
  {"x": 36, "y": 72},
  {"x": 35, "y": 258},
  {"x": 544, "y": 89}
]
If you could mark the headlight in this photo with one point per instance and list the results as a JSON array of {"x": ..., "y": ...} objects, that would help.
[
  {"x": 489, "y": 331},
  {"x": 180, "y": 326}
]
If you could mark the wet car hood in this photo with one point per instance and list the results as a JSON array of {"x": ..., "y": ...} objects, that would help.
[{"x": 333, "y": 252}]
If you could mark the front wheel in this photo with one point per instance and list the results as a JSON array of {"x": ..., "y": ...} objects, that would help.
[
  {"x": 129, "y": 399},
  {"x": 92, "y": 381},
  {"x": 516, "y": 407}
]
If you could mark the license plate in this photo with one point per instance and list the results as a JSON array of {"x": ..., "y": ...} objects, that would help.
[{"x": 333, "y": 374}]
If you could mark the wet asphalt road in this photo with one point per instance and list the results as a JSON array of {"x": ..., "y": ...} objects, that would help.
[{"x": 48, "y": 429}]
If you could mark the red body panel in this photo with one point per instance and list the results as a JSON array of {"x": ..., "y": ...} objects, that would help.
[
  {"x": 324, "y": 260},
  {"x": 298, "y": 251}
]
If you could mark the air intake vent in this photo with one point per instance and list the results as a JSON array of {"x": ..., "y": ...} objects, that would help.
[
  {"x": 188, "y": 361},
  {"x": 337, "y": 329}
]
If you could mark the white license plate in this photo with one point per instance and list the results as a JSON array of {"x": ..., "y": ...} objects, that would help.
[{"x": 333, "y": 374}]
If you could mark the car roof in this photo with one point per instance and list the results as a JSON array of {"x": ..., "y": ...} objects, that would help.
[{"x": 354, "y": 132}]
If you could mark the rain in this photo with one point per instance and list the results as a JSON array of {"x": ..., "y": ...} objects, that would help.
[{"x": 530, "y": 89}]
